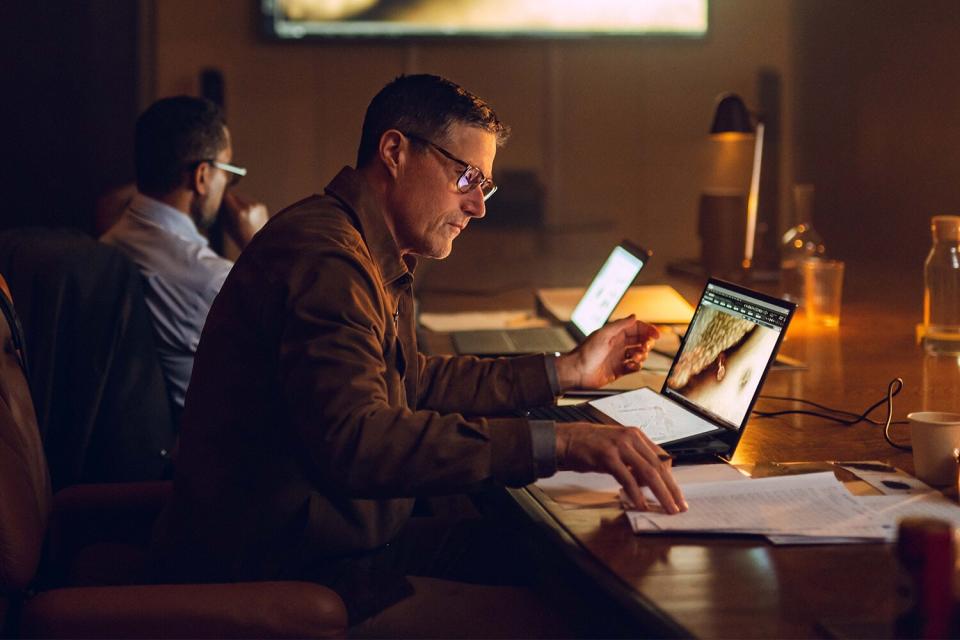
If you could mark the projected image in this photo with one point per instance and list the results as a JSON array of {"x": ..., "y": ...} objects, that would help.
[
  {"x": 722, "y": 363},
  {"x": 302, "y": 18}
]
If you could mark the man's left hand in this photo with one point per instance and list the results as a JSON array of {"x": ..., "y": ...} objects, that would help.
[{"x": 608, "y": 353}]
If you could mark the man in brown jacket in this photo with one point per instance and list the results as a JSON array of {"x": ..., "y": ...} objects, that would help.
[{"x": 312, "y": 421}]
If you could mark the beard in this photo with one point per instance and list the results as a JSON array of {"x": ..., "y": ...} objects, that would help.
[{"x": 204, "y": 215}]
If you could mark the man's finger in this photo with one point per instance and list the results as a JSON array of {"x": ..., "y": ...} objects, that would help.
[
  {"x": 653, "y": 451},
  {"x": 622, "y": 474},
  {"x": 649, "y": 474}
]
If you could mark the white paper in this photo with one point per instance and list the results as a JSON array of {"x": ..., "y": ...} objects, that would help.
[
  {"x": 881, "y": 524},
  {"x": 893, "y": 508},
  {"x": 893, "y": 482},
  {"x": 816, "y": 503},
  {"x": 594, "y": 489}
]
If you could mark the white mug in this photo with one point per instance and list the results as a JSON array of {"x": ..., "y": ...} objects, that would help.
[{"x": 935, "y": 435}]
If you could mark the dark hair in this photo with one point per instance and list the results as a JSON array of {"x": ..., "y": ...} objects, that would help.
[
  {"x": 173, "y": 134},
  {"x": 426, "y": 106}
]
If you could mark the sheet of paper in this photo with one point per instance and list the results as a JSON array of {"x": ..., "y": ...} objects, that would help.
[
  {"x": 657, "y": 304},
  {"x": 890, "y": 482},
  {"x": 882, "y": 522},
  {"x": 596, "y": 489},
  {"x": 474, "y": 320},
  {"x": 891, "y": 509},
  {"x": 662, "y": 420},
  {"x": 786, "y": 505},
  {"x": 811, "y": 540}
]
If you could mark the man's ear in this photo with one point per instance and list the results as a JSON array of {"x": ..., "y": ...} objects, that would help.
[
  {"x": 199, "y": 178},
  {"x": 393, "y": 151}
]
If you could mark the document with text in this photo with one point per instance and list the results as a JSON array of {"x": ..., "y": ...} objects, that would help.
[{"x": 787, "y": 505}]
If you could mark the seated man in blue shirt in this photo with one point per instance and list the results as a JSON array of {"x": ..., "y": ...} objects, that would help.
[{"x": 183, "y": 162}]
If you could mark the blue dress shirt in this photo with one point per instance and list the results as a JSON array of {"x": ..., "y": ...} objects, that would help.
[{"x": 181, "y": 274}]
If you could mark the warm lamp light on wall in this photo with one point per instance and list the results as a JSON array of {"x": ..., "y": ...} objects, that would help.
[{"x": 733, "y": 121}]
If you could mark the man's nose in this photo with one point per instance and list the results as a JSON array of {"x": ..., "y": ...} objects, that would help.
[{"x": 473, "y": 204}]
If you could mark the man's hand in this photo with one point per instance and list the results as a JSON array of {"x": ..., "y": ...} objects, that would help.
[
  {"x": 242, "y": 219},
  {"x": 625, "y": 453},
  {"x": 608, "y": 353}
]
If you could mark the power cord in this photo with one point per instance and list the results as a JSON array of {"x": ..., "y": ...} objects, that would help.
[{"x": 847, "y": 418}]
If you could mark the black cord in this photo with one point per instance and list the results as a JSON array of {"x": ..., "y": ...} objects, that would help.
[
  {"x": 886, "y": 428},
  {"x": 847, "y": 418}
]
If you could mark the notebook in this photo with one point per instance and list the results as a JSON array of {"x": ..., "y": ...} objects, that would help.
[
  {"x": 713, "y": 380},
  {"x": 592, "y": 312}
]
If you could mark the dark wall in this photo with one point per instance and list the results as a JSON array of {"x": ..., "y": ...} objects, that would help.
[
  {"x": 878, "y": 121},
  {"x": 70, "y": 98}
]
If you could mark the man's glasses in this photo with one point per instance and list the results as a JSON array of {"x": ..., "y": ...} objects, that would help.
[
  {"x": 235, "y": 172},
  {"x": 470, "y": 179}
]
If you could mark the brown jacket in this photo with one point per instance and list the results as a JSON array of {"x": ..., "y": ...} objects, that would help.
[{"x": 311, "y": 419}]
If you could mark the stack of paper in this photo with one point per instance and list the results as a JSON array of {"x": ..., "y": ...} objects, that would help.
[
  {"x": 802, "y": 509},
  {"x": 572, "y": 489}
]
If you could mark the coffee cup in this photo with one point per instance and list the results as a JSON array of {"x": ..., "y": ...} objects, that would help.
[{"x": 935, "y": 435}]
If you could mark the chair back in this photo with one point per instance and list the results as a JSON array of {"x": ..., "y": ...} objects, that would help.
[
  {"x": 98, "y": 389},
  {"x": 24, "y": 480}
]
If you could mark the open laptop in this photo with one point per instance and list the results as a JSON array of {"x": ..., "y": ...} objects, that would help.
[
  {"x": 713, "y": 381},
  {"x": 592, "y": 312}
]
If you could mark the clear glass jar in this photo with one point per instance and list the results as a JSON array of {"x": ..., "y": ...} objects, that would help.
[
  {"x": 800, "y": 242},
  {"x": 941, "y": 288}
]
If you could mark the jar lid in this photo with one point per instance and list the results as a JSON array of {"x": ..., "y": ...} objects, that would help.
[{"x": 945, "y": 227}]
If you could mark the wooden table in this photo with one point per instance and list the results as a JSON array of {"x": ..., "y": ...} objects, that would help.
[{"x": 717, "y": 587}]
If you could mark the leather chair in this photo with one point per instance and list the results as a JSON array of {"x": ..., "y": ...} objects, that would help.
[
  {"x": 46, "y": 541},
  {"x": 101, "y": 401}
]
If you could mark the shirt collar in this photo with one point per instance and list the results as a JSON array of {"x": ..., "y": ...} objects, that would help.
[
  {"x": 168, "y": 218},
  {"x": 350, "y": 188}
]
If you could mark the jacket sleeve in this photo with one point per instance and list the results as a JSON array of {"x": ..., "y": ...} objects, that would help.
[
  {"x": 483, "y": 386},
  {"x": 344, "y": 396}
]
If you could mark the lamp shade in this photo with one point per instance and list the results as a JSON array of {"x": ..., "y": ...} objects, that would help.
[{"x": 731, "y": 115}]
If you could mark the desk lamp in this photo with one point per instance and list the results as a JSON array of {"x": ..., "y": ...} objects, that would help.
[{"x": 732, "y": 121}]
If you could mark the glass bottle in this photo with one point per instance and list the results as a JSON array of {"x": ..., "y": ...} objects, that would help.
[
  {"x": 941, "y": 288},
  {"x": 800, "y": 242}
]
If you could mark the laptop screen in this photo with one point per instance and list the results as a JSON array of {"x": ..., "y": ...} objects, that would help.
[
  {"x": 608, "y": 287},
  {"x": 726, "y": 352}
]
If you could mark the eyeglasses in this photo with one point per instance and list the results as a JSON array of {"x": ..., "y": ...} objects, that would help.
[
  {"x": 470, "y": 179},
  {"x": 235, "y": 172}
]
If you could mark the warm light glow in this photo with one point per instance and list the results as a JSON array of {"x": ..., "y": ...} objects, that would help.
[
  {"x": 731, "y": 136},
  {"x": 296, "y": 18},
  {"x": 753, "y": 199}
]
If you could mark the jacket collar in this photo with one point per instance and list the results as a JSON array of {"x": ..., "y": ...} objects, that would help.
[{"x": 351, "y": 189}]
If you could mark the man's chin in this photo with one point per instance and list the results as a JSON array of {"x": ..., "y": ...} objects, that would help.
[
  {"x": 438, "y": 252},
  {"x": 203, "y": 222}
]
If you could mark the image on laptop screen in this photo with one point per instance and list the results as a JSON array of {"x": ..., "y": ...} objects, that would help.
[
  {"x": 724, "y": 356},
  {"x": 606, "y": 290}
]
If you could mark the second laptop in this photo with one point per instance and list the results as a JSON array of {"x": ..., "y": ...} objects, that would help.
[{"x": 592, "y": 312}]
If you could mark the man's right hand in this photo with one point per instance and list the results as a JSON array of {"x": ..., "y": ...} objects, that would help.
[
  {"x": 242, "y": 219},
  {"x": 625, "y": 453}
]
